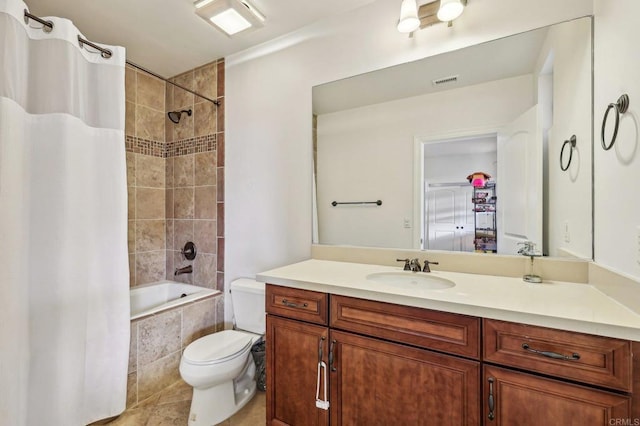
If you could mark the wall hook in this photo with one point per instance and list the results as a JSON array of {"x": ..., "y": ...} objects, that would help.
[{"x": 621, "y": 107}]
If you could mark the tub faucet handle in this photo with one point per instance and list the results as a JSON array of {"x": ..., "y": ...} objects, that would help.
[{"x": 189, "y": 251}]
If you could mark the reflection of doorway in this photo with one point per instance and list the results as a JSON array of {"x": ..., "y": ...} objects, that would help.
[
  {"x": 520, "y": 159},
  {"x": 450, "y": 223},
  {"x": 446, "y": 208}
]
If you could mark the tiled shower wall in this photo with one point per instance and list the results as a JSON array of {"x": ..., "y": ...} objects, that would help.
[
  {"x": 144, "y": 129},
  {"x": 194, "y": 175},
  {"x": 176, "y": 176}
]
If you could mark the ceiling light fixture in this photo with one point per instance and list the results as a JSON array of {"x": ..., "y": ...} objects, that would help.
[
  {"x": 413, "y": 17},
  {"x": 229, "y": 16},
  {"x": 409, "y": 21}
]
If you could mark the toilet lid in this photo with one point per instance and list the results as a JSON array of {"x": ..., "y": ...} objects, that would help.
[{"x": 217, "y": 347}]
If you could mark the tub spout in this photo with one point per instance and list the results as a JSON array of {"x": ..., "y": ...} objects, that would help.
[{"x": 184, "y": 270}]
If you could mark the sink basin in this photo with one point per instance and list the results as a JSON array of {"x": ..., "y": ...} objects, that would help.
[{"x": 417, "y": 280}]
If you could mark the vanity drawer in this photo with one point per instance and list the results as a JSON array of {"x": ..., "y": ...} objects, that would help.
[
  {"x": 596, "y": 360},
  {"x": 446, "y": 332},
  {"x": 303, "y": 305}
]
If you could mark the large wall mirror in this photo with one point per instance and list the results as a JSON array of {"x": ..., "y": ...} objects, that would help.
[{"x": 475, "y": 150}]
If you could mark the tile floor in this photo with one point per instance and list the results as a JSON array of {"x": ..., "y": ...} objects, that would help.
[{"x": 171, "y": 408}]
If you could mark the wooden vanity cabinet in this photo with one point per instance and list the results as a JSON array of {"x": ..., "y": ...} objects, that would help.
[
  {"x": 297, "y": 338},
  {"x": 442, "y": 331},
  {"x": 389, "y": 364},
  {"x": 376, "y": 378},
  {"x": 517, "y": 398},
  {"x": 375, "y": 382},
  {"x": 380, "y": 368},
  {"x": 292, "y": 361},
  {"x": 523, "y": 387}
]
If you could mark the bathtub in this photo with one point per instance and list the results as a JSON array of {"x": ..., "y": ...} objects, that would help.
[{"x": 148, "y": 299}]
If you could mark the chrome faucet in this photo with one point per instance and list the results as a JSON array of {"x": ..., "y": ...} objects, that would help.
[
  {"x": 529, "y": 249},
  {"x": 184, "y": 270}
]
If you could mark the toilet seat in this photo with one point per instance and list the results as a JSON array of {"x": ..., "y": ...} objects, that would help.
[{"x": 217, "y": 348}]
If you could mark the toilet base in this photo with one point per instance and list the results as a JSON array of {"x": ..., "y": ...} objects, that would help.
[{"x": 213, "y": 405}]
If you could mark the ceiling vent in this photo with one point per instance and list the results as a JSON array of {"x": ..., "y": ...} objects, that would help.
[{"x": 445, "y": 80}]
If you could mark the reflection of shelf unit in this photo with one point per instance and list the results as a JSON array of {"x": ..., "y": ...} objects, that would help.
[{"x": 484, "y": 209}]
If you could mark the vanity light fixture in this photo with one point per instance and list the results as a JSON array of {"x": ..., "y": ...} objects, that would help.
[
  {"x": 413, "y": 17},
  {"x": 229, "y": 16},
  {"x": 409, "y": 21},
  {"x": 450, "y": 9}
]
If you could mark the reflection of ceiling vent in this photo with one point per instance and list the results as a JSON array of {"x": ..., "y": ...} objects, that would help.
[{"x": 445, "y": 80}]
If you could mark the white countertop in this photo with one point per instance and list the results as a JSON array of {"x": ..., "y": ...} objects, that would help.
[{"x": 556, "y": 304}]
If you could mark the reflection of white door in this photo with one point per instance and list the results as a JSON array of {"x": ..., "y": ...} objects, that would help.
[
  {"x": 520, "y": 190},
  {"x": 449, "y": 218}
]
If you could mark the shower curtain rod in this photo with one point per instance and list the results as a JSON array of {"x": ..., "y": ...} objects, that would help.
[
  {"x": 216, "y": 102},
  {"x": 106, "y": 53}
]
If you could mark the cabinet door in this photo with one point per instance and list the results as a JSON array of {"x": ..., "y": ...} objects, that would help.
[
  {"x": 515, "y": 398},
  {"x": 374, "y": 382},
  {"x": 292, "y": 368}
]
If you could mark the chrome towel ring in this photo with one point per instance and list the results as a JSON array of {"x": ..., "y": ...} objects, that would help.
[
  {"x": 572, "y": 144},
  {"x": 621, "y": 107}
]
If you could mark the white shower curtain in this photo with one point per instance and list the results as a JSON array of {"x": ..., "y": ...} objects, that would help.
[{"x": 64, "y": 275}]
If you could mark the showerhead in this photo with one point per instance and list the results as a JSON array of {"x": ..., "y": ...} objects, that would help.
[{"x": 175, "y": 115}]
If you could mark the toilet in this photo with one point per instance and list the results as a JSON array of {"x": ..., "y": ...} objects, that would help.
[{"x": 220, "y": 366}]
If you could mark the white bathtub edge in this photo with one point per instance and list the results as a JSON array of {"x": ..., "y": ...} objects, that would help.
[{"x": 205, "y": 293}]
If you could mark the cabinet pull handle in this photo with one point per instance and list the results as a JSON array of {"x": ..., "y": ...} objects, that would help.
[
  {"x": 288, "y": 304},
  {"x": 573, "y": 357},
  {"x": 492, "y": 402},
  {"x": 331, "y": 355},
  {"x": 320, "y": 349}
]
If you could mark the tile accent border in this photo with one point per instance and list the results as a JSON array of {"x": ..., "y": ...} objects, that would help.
[
  {"x": 190, "y": 146},
  {"x": 177, "y": 148},
  {"x": 144, "y": 146}
]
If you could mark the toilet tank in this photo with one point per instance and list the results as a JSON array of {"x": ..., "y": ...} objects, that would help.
[{"x": 247, "y": 298}]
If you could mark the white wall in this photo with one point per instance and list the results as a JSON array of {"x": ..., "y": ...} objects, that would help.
[
  {"x": 268, "y": 111},
  {"x": 617, "y": 171},
  {"x": 367, "y": 153},
  {"x": 455, "y": 168}
]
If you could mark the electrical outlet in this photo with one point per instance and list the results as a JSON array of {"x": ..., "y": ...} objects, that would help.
[{"x": 406, "y": 223}]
